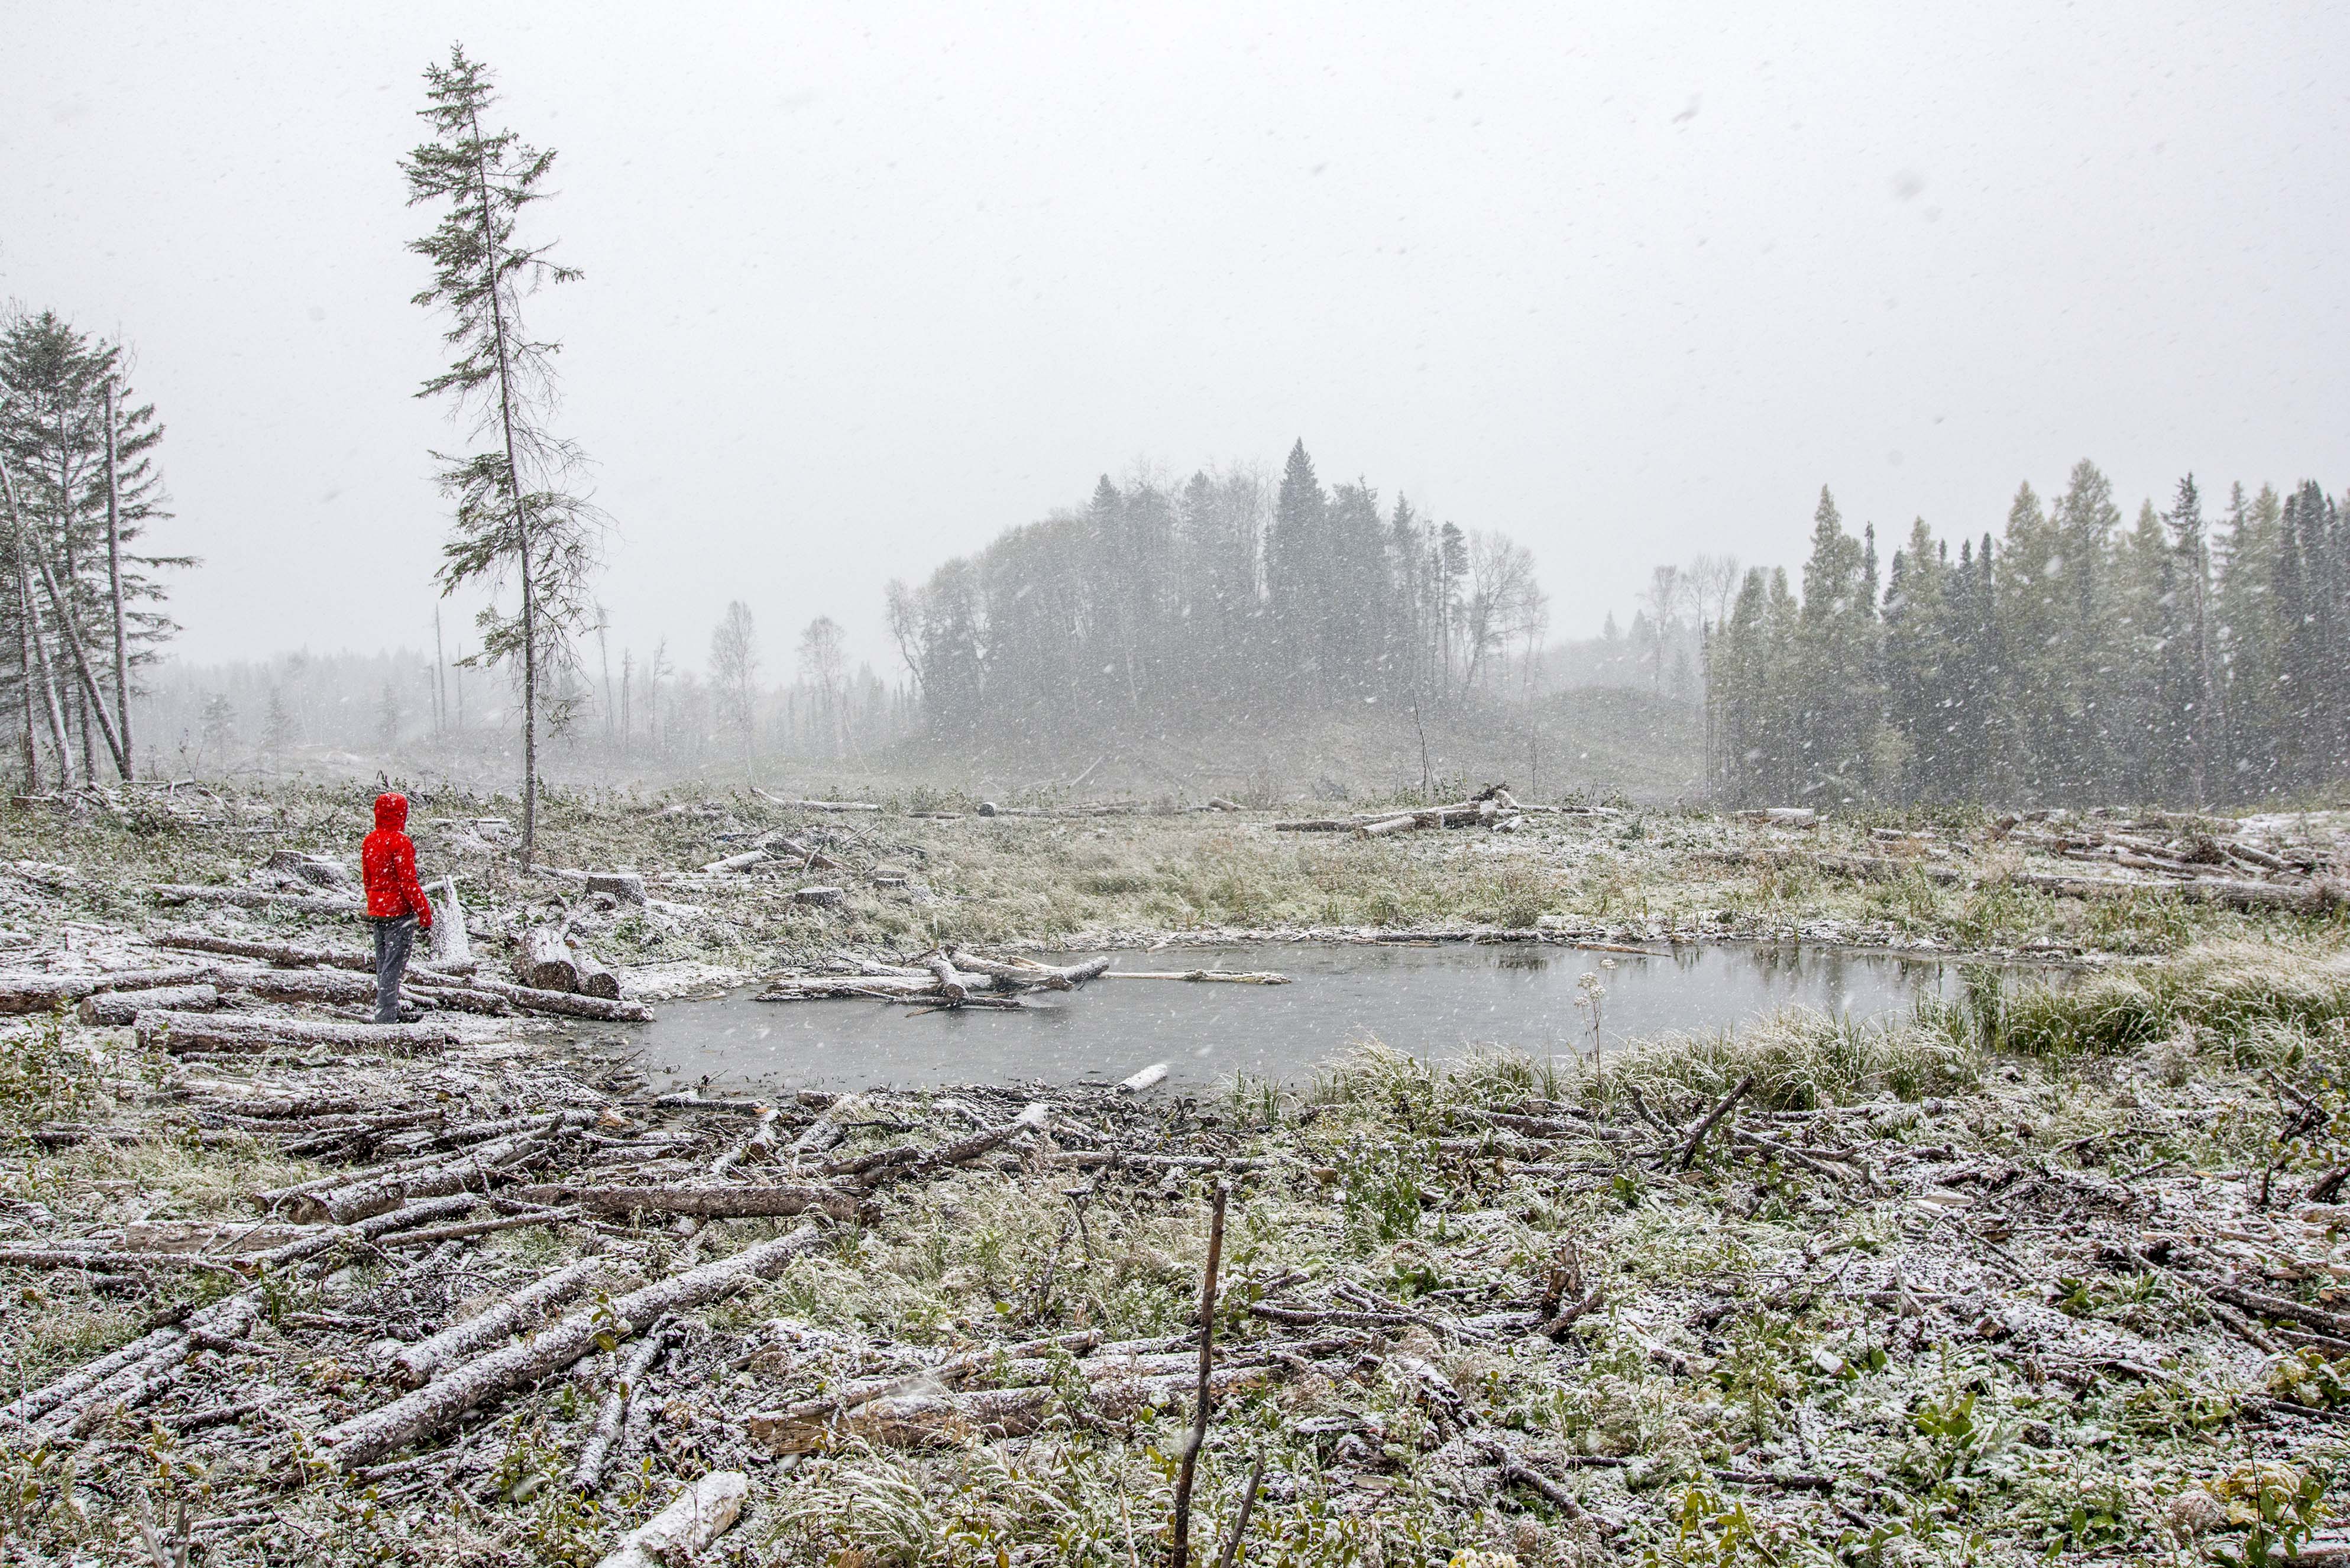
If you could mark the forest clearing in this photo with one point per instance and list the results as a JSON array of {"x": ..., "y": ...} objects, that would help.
[{"x": 2036, "y": 1270}]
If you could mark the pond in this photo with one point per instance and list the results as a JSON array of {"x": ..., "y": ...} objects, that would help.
[{"x": 1437, "y": 1000}]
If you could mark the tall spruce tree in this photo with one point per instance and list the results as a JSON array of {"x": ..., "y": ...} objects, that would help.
[{"x": 515, "y": 508}]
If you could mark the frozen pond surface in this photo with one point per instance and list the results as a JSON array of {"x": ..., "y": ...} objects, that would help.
[{"x": 1433, "y": 1001}]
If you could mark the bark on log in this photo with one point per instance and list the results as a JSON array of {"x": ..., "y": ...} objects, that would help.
[
  {"x": 476, "y": 1172},
  {"x": 327, "y": 1237},
  {"x": 822, "y": 897},
  {"x": 734, "y": 863},
  {"x": 367, "y": 1437},
  {"x": 138, "y": 1381},
  {"x": 829, "y": 1128},
  {"x": 1154, "y": 1073},
  {"x": 30, "y": 1406},
  {"x": 738, "y": 1202},
  {"x": 162, "y": 1029},
  {"x": 283, "y": 954},
  {"x": 596, "y": 978},
  {"x": 519, "y": 1312},
  {"x": 1228, "y": 977},
  {"x": 628, "y": 886},
  {"x": 698, "y": 1515},
  {"x": 1037, "y": 1115},
  {"x": 1403, "y": 823},
  {"x": 949, "y": 985},
  {"x": 589, "y": 1472},
  {"x": 2304, "y": 899},
  {"x": 254, "y": 898},
  {"x": 116, "y": 1009},
  {"x": 818, "y": 805},
  {"x": 544, "y": 962},
  {"x": 316, "y": 869},
  {"x": 21, "y": 993},
  {"x": 528, "y": 1000}
]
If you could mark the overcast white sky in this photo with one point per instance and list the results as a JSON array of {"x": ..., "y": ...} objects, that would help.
[{"x": 867, "y": 283}]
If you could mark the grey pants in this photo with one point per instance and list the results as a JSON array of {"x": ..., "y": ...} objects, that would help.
[{"x": 393, "y": 939}]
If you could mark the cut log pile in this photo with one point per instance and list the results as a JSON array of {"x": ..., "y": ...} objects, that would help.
[{"x": 415, "y": 1178}]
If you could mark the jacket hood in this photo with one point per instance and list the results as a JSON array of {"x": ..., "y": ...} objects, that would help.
[{"x": 391, "y": 812}]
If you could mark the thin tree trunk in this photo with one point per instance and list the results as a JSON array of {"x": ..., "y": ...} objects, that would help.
[
  {"x": 34, "y": 649},
  {"x": 439, "y": 676},
  {"x": 93, "y": 701},
  {"x": 522, "y": 516},
  {"x": 24, "y": 674},
  {"x": 59, "y": 736},
  {"x": 114, "y": 589}
]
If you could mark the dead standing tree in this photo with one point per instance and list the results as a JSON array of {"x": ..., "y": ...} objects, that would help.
[{"x": 542, "y": 531}]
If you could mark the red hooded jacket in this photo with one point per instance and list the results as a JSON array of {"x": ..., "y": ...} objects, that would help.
[{"x": 388, "y": 866}]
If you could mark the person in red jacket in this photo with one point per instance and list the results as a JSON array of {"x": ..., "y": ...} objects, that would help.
[{"x": 395, "y": 903}]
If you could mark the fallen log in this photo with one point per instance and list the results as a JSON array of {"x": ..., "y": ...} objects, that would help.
[
  {"x": 818, "y": 805},
  {"x": 136, "y": 1382},
  {"x": 117, "y": 1009},
  {"x": 588, "y": 1474},
  {"x": 162, "y": 1029},
  {"x": 317, "y": 870},
  {"x": 1386, "y": 825},
  {"x": 327, "y": 1237},
  {"x": 519, "y": 1312},
  {"x": 101, "y": 1261},
  {"x": 730, "y": 1202},
  {"x": 545, "y": 961},
  {"x": 2303, "y": 899},
  {"x": 908, "y": 1421},
  {"x": 949, "y": 984},
  {"x": 821, "y": 896},
  {"x": 1037, "y": 1115},
  {"x": 698, "y": 1515},
  {"x": 169, "y": 893},
  {"x": 734, "y": 863},
  {"x": 1148, "y": 1077},
  {"x": 25, "y": 1408},
  {"x": 596, "y": 978},
  {"x": 21, "y": 993},
  {"x": 530, "y": 1000},
  {"x": 474, "y": 1173},
  {"x": 1229, "y": 977},
  {"x": 369, "y": 1437},
  {"x": 286, "y": 955},
  {"x": 1688, "y": 1151}
]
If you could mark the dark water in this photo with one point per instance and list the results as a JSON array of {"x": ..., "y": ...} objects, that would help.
[{"x": 1437, "y": 1000}]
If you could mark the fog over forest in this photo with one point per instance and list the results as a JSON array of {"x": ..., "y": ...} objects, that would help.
[{"x": 1580, "y": 590}]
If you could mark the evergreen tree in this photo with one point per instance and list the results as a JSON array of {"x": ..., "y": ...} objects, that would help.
[{"x": 515, "y": 512}]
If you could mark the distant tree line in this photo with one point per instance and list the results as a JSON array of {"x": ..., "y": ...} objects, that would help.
[
  {"x": 81, "y": 608},
  {"x": 1156, "y": 599},
  {"x": 2072, "y": 660}
]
